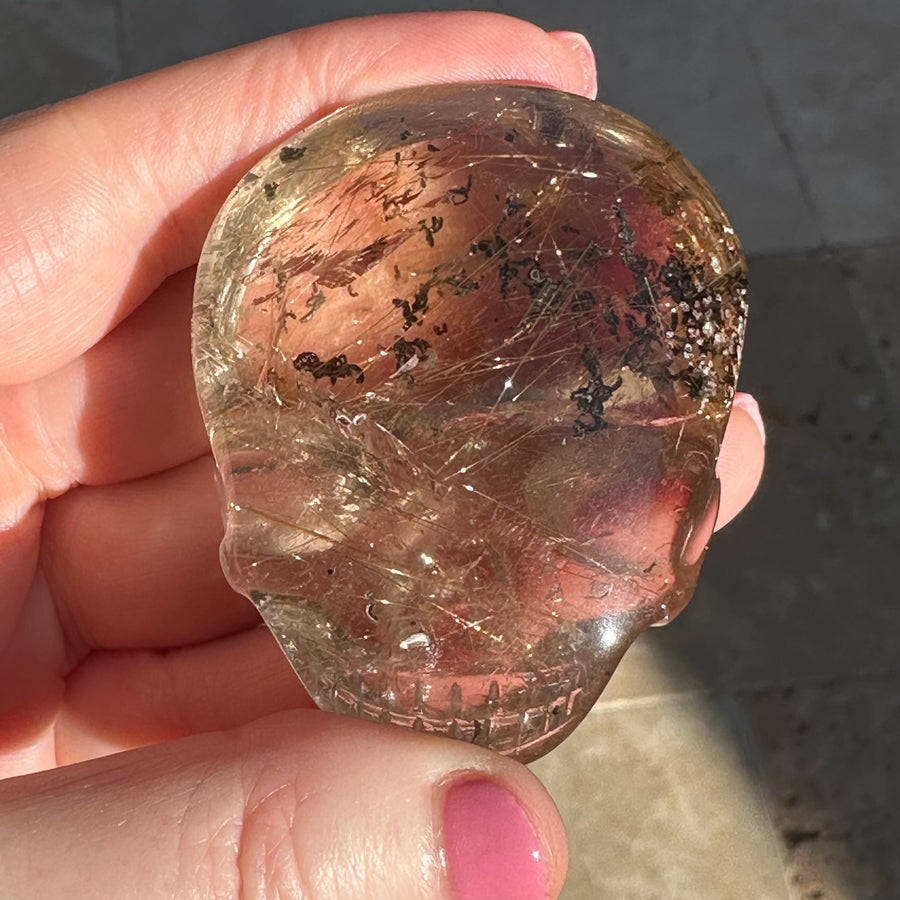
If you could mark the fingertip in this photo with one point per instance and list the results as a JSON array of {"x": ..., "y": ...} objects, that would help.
[
  {"x": 579, "y": 47},
  {"x": 741, "y": 459},
  {"x": 747, "y": 403},
  {"x": 502, "y": 836},
  {"x": 486, "y": 823},
  {"x": 491, "y": 847},
  {"x": 444, "y": 47}
]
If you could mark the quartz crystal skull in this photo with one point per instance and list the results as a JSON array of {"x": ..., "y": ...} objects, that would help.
[{"x": 465, "y": 355}]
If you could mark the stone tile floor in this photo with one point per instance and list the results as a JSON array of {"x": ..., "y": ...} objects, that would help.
[{"x": 750, "y": 749}]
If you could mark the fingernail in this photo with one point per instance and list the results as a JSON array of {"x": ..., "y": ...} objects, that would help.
[
  {"x": 581, "y": 47},
  {"x": 748, "y": 404},
  {"x": 491, "y": 848}
]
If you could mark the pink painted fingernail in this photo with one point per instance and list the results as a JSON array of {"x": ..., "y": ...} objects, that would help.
[
  {"x": 579, "y": 45},
  {"x": 749, "y": 405},
  {"x": 491, "y": 848}
]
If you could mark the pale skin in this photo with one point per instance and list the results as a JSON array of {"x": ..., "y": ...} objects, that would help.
[{"x": 117, "y": 629}]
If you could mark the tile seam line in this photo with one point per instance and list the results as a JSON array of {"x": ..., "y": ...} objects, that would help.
[
  {"x": 839, "y": 256},
  {"x": 756, "y": 774},
  {"x": 741, "y": 691},
  {"x": 625, "y": 703},
  {"x": 784, "y": 139},
  {"x": 827, "y": 247},
  {"x": 870, "y": 329}
]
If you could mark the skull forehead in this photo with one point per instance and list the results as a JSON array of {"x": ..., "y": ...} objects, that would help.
[{"x": 396, "y": 219}]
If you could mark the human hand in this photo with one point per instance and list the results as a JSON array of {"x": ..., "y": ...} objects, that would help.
[{"x": 117, "y": 629}]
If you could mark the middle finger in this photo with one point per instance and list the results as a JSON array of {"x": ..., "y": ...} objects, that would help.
[{"x": 136, "y": 564}]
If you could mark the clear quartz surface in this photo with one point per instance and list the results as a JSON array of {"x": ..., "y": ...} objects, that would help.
[{"x": 465, "y": 355}]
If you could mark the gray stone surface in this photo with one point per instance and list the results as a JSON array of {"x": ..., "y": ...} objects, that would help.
[
  {"x": 831, "y": 70},
  {"x": 873, "y": 278},
  {"x": 52, "y": 49},
  {"x": 831, "y": 760}
]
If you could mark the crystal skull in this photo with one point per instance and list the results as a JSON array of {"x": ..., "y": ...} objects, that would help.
[{"x": 465, "y": 355}]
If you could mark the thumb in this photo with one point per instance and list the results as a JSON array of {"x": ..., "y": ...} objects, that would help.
[{"x": 303, "y": 804}]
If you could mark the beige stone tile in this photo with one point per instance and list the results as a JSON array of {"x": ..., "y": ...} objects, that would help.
[
  {"x": 660, "y": 801},
  {"x": 649, "y": 669},
  {"x": 831, "y": 755}
]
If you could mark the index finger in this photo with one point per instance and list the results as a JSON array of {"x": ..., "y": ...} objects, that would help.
[{"x": 106, "y": 195}]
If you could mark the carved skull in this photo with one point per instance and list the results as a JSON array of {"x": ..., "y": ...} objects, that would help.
[{"x": 465, "y": 356}]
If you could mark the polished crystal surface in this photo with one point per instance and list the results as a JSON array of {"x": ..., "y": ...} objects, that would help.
[{"x": 465, "y": 355}]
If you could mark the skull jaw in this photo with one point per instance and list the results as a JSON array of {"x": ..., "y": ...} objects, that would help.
[
  {"x": 510, "y": 655},
  {"x": 520, "y": 714}
]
